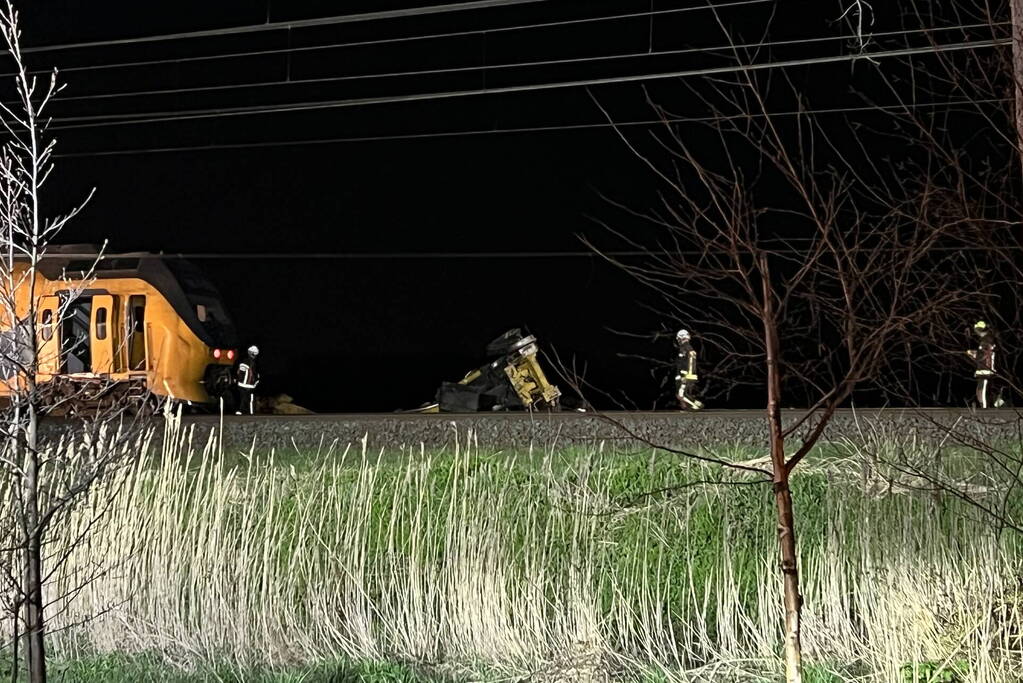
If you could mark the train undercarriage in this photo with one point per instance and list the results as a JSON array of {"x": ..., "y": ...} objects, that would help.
[{"x": 85, "y": 395}]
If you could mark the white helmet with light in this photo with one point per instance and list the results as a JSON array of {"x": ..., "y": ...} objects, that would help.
[
  {"x": 253, "y": 350},
  {"x": 682, "y": 335}
]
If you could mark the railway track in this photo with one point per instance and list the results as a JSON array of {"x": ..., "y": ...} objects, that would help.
[
  {"x": 668, "y": 415},
  {"x": 710, "y": 428}
]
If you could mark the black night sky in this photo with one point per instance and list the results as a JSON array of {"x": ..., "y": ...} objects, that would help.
[{"x": 381, "y": 332}]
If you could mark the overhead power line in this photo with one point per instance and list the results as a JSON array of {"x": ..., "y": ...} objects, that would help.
[
  {"x": 496, "y": 67},
  {"x": 293, "y": 24},
  {"x": 357, "y": 256},
  {"x": 453, "y": 255},
  {"x": 402, "y": 39},
  {"x": 521, "y": 129},
  {"x": 75, "y": 122}
]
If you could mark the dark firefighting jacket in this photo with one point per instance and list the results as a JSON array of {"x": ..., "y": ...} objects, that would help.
[
  {"x": 984, "y": 360},
  {"x": 247, "y": 375},
  {"x": 685, "y": 362}
]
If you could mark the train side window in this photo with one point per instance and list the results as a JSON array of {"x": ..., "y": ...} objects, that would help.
[
  {"x": 138, "y": 314},
  {"x": 101, "y": 323},
  {"x": 47, "y": 320}
]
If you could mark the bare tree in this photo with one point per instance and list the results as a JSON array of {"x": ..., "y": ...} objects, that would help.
[
  {"x": 969, "y": 152},
  {"x": 44, "y": 480},
  {"x": 809, "y": 268},
  {"x": 24, "y": 168},
  {"x": 970, "y": 156}
]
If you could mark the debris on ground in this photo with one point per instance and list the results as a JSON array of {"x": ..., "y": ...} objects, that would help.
[{"x": 281, "y": 404}]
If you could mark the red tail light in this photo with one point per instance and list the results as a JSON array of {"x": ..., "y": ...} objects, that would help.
[
  {"x": 216, "y": 353},
  {"x": 230, "y": 354}
]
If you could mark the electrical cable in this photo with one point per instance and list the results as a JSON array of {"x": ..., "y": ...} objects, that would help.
[
  {"x": 291, "y": 24},
  {"x": 454, "y": 255},
  {"x": 488, "y": 67},
  {"x": 78, "y": 122},
  {"x": 522, "y": 129},
  {"x": 400, "y": 39},
  {"x": 355, "y": 256}
]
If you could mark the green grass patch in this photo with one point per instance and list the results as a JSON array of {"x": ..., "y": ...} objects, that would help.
[{"x": 150, "y": 669}]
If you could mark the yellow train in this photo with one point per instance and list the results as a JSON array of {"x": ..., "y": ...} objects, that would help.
[{"x": 138, "y": 324}]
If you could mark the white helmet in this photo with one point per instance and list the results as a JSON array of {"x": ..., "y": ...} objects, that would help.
[
  {"x": 253, "y": 350},
  {"x": 682, "y": 335}
]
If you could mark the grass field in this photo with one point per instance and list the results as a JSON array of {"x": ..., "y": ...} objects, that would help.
[
  {"x": 575, "y": 565},
  {"x": 138, "y": 668}
]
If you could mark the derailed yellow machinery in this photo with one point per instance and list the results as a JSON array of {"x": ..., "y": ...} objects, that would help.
[{"x": 512, "y": 380}]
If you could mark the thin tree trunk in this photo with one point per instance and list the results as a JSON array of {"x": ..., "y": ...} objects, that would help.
[
  {"x": 789, "y": 567},
  {"x": 34, "y": 619},
  {"x": 17, "y": 602},
  {"x": 1016, "y": 10},
  {"x": 35, "y": 623},
  {"x": 783, "y": 496},
  {"x": 15, "y": 639}
]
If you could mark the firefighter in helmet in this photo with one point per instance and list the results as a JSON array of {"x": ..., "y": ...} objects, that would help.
[
  {"x": 685, "y": 372},
  {"x": 989, "y": 390},
  {"x": 247, "y": 378}
]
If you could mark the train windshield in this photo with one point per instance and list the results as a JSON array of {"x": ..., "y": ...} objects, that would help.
[{"x": 207, "y": 306}]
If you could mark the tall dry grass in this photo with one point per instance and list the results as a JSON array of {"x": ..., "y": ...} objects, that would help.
[{"x": 530, "y": 564}]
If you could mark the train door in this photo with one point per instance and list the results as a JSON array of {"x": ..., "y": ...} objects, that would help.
[
  {"x": 103, "y": 335},
  {"x": 49, "y": 335},
  {"x": 136, "y": 342},
  {"x": 75, "y": 334}
]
